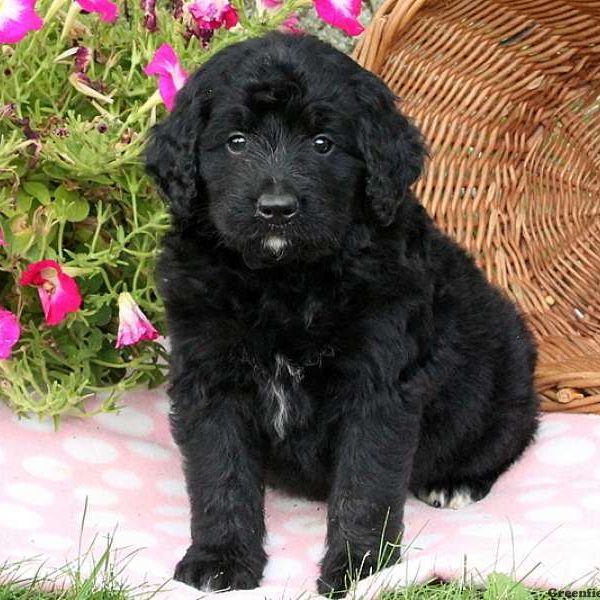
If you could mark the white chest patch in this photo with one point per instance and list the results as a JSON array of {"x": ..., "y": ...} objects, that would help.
[{"x": 285, "y": 377}]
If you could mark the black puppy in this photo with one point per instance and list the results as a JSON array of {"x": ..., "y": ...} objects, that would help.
[{"x": 326, "y": 338}]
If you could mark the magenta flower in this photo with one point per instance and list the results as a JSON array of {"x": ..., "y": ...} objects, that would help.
[
  {"x": 10, "y": 331},
  {"x": 58, "y": 292},
  {"x": 171, "y": 75},
  {"x": 213, "y": 14},
  {"x": 133, "y": 323},
  {"x": 83, "y": 57},
  {"x": 2, "y": 242},
  {"x": 341, "y": 13},
  {"x": 17, "y": 19},
  {"x": 107, "y": 10},
  {"x": 149, "y": 8}
]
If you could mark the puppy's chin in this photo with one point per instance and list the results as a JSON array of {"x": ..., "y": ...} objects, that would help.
[
  {"x": 271, "y": 250},
  {"x": 276, "y": 245}
]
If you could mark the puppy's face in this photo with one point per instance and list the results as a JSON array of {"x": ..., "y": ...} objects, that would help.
[
  {"x": 277, "y": 145},
  {"x": 281, "y": 173}
]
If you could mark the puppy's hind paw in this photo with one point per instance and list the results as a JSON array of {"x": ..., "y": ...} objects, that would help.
[
  {"x": 454, "y": 496},
  {"x": 211, "y": 574}
]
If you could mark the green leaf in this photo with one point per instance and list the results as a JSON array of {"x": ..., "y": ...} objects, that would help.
[
  {"x": 69, "y": 205},
  {"x": 101, "y": 317},
  {"x": 37, "y": 190},
  {"x": 24, "y": 201},
  {"x": 500, "y": 586},
  {"x": 77, "y": 211}
]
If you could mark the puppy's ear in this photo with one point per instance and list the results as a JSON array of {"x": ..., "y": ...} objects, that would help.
[
  {"x": 392, "y": 148},
  {"x": 172, "y": 153}
]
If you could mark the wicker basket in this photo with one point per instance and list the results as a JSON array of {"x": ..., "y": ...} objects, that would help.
[{"x": 507, "y": 94}]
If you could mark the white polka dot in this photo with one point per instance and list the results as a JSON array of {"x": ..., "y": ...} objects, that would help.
[
  {"x": 90, "y": 450},
  {"x": 579, "y": 485},
  {"x": 102, "y": 519},
  {"x": 163, "y": 407},
  {"x": 493, "y": 531},
  {"x": 308, "y": 525},
  {"x": 565, "y": 451},
  {"x": 13, "y": 516},
  {"x": 169, "y": 510},
  {"x": 149, "y": 450},
  {"x": 275, "y": 540},
  {"x": 597, "y": 473},
  {"x": 293, "y": 504},
  {"x": 127, "y": 421},
  {"x": 568, "y": 533},
  {"x": 316, "y": 552},
  {"x": 178, "y": 528},
  {"x": 96, "y": 496},
  {"x": 591, "y": 501},
  {"x": 172, "y": 487},
  {"x": 122, "y": 479},
  {"x": 553, "y": 514},
  {"x": 47, "y": 468},
  {"x": 468, "y": 514},
  {"x": 29, "y": 493},
  {"x": 422, "y": 541},
  {"x": 135, "y": 539},
  {"x": 534, "y": 481},
  {"x": 149, "y": 567},
  {"x": 551, "y": 428},
  {"x": 283, "y": 568},
  {"x": 536, "y": 496},
  {"x": 51, "y": 541},
  {"x": 37, "y": 425}
]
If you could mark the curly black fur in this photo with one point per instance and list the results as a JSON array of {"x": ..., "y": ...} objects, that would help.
[{"x": 360, "y": 355}]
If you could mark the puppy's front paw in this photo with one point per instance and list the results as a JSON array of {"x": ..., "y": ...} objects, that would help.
[
  {"x": 211, "y": 571},
  {"x": 340, "y": 568}
]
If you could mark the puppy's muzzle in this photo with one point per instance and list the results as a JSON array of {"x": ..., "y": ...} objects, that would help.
[{"x": 277, "y": 209}]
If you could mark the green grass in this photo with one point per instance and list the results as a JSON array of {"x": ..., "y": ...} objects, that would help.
[
  {"x": 87, "y": 578},
  {"x": 498, "y": 587},
  {"x": 106, "y": 582}
]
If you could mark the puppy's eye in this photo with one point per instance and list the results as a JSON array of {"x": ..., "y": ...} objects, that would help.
[
  {"x": 322, "y": 144},
  {"x": 236, "y": 143}
]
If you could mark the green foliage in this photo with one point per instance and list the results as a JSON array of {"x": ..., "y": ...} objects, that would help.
[{"x": 72, "y": 189}]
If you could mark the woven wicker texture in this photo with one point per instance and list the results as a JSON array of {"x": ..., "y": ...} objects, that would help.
[{"x": 507, "y": 94}]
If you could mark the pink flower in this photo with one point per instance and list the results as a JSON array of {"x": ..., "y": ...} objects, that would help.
[
  {"x": 58, "y": 292},
  {"x": 133, "y": 323},
  {"x": 171, "y": 75},
  {"x": 291, "y": 23},
  {"x": 2, "y": 242},
  {"x": 9, "y": 332},
  {"x": 107, "y": 10},
  {"x": 341, "y": 13},
  {"x": 17, "y": 19},
  {"x": 213, "y": 14}
]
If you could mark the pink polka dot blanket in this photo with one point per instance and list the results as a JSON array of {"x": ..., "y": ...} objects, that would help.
[{"x": 541, "y": 521}]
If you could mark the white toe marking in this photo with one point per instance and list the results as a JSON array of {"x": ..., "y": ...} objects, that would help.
[
  {"x": 436, "y": 498},
  {"x": 460, "y": 499},
  {"x": 441, "y": 499}
]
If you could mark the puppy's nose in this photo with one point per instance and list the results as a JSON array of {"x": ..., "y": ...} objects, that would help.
[{"x": 277, "y": 208}]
